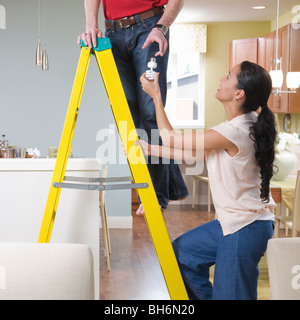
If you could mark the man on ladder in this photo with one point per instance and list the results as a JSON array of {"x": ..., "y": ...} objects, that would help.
[{"x": 138, "y": 31}]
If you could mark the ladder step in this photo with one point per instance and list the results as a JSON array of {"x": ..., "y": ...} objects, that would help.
[{"x": 101, "y": 187}]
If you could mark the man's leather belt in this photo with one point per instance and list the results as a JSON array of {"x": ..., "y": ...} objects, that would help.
[{"x": 129, "y": 21}]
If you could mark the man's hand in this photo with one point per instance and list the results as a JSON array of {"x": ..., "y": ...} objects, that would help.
[
  {"x": 157, "y": 36},
  {"x": 90, "y": 37}
]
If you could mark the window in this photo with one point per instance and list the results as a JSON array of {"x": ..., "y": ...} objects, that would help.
[{"x": 186, "y": 76}]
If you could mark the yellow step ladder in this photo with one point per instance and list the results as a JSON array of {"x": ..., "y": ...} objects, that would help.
[{"x": 135, "y": 158}]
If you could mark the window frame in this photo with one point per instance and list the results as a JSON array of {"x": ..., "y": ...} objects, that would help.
[{"x": 171, "y": 105}]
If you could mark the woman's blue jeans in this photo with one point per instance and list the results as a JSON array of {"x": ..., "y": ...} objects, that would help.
[
  {"x": 236, "y": 257},
  {"x": 131, "y": 61}
]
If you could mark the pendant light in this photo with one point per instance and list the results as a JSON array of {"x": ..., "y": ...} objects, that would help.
[
  {"x": 292, "y": 78},
  {"x": 39, "y": 49},
  {"x": 45, "y": 65},
  {"x": 45, "y": 62}
]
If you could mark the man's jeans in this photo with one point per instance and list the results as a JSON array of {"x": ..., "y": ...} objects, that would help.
[
  {"x": 131, "y": 61},
  {"x": 236, "y": 257}
]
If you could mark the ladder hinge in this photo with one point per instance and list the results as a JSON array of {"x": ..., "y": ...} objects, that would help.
[{"x": 102, "y": 44}]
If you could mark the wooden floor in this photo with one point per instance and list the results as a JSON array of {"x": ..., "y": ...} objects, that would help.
[{"x": 135, "y": 272}]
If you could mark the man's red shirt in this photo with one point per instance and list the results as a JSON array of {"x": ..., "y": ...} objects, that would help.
[{"x": 118, "y": 9}]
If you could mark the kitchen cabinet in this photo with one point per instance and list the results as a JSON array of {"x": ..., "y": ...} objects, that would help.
[
  {"x": 262, "y": 51},
  {"x": 252, "y": 49}
]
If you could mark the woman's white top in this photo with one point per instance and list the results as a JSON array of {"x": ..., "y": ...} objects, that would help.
[{"x": 235, "y": 181}]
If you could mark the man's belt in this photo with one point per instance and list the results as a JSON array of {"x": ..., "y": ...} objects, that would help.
[{"x": 129, "y": 21}]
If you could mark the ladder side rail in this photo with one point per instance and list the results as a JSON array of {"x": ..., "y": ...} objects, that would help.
[
  {"x": 65, "y": 146},
  {"x": 140, "y": 173}
]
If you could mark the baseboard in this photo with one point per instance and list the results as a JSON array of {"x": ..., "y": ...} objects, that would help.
[{"x": 119, "y": 222}]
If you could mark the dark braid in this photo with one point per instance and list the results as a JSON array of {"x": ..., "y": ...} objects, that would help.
[{"x": 257, "y": 85}]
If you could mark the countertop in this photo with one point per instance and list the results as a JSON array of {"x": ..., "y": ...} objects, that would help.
[{"x": 47, "y": 164}]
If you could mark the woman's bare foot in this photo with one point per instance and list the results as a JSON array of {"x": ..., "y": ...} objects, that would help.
[{"x": 140, "y": 211}]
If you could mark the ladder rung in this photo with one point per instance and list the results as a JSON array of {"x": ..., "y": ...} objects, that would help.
[{"x": 101, "y": 187}]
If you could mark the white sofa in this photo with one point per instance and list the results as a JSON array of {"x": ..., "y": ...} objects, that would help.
[{"x": 32, "y": 271}]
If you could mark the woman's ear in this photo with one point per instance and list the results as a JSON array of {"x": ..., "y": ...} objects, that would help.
[{"x": 239, "y": 95}]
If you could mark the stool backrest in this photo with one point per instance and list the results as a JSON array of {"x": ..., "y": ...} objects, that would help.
[{"x": 296, "y": 213}]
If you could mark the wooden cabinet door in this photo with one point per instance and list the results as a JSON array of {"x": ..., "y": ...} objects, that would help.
[
  {"x": 243, "y": 49},
  {"x": 270, "y": 50},
  {"x": 261, "y": 52}
]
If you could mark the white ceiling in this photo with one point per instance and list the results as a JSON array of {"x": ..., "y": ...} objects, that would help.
[{"x": 232, "y": 10}]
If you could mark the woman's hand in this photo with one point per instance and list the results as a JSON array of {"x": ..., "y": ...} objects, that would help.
[
  {"x": 151, "y": 87},
  {"x": 146, "y": 147}
]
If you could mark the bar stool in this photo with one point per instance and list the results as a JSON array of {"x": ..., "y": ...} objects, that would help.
[
  {"x": 290, "y": 221},
  {"x": 105, "y": 230},
  {"x": 205, "y": 179}
]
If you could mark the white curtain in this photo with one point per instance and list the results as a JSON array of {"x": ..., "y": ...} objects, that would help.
[{"x": 188, "y": 37}]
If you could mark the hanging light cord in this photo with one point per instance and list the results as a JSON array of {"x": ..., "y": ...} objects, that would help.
[
  {"x": 39, "y": 19},
  {"x": 45, "y": 23},
  {"x": 277, "y": 21}
]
